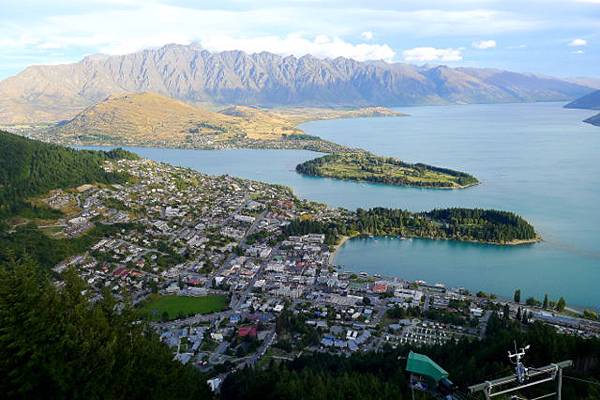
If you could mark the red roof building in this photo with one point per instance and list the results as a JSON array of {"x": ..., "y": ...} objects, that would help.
[
  {"x": 247, "y": 331},
  {"x": 380, "y": 287}
]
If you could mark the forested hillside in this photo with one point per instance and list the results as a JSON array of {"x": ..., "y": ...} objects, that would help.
[
  {"x": 29, "y": 168},
  {"x": 56, "y": 344}
]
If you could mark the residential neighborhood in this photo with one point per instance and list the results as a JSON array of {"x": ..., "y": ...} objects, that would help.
[{"x": 176, "y": 234}]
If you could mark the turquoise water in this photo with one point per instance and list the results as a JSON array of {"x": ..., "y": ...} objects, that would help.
[{"x": 538, "y": 160}]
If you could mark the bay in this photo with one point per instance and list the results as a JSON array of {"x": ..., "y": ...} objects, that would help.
[{"x": 536, "y": 159}]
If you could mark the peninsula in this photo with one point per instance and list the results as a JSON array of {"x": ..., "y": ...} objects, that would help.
[
  {"x": 153, "y": 120},
  {"x": 364, "y": 166}
]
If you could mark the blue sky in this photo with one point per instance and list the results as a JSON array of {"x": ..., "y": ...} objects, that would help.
[{"x": 555, "y": 37}]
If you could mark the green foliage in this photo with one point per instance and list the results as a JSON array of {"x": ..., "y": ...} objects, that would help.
[
  {"x": 29, "y": 241},
  {"x": 304, "y": 227},
  {"x": 483, "y": 225},
  {"x": 453, "y": 223},
  {"x": 517, "y": 296},
  {"x": 533, "y": 302},
  {"x": 362, "y": 166},
  {"x": 590, "y": 314},
  {"x": 54, "y": 343},
  {"x": 382, "y": 376},
  {"x": 561, "y": 304},
  {"x": 301, "y": 136},
  {"x": 30, "y": 168}
]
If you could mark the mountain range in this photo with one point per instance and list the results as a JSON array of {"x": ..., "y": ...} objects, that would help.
[{"x": 189, "y": 73}]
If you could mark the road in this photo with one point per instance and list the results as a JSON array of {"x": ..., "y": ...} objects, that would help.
[
  {"x": 218, "y": 351},
  {"x": 483, "y": 322},
  {"x": 241, "y": 244}
]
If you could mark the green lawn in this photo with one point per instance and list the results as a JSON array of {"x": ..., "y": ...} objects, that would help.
[{"x": 177, "y": 306}]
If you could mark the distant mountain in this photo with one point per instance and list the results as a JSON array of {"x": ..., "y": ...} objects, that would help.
[
  {"x": 189, "y": 73},
  {"x": 595, "y": 120},
  {"x": 594, "y": 83},
  {"x": 589, "y": 102}
]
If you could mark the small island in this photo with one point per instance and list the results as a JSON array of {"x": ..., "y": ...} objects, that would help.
[{"x": 364, "y": 166}]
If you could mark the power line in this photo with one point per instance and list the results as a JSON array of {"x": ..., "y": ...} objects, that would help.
[{"x": 582, "y": 380}]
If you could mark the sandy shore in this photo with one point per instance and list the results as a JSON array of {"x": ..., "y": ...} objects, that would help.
[{"x": 337, "y": 247}]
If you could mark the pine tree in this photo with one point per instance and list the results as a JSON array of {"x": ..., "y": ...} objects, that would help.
[
  {"x": 561, "y": 304},
  {"x": 517, "y": 296}
]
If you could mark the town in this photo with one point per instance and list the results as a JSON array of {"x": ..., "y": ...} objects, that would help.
[{"x": 210, "y": 262}]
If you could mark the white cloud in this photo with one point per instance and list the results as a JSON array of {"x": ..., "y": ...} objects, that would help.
[
  {"x": 367, "y": 35},
  {"x": 151, "y": 24},
  {"x": 484, "y": 44},
  {"x": 321, "y": 46},
  {"x": 578, "y": 52},
  {"x": 427, "y": 54},
  {"x": 578, "y": 42}
]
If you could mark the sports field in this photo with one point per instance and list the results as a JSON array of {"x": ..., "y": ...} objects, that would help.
[{"x": 181, "y": 306}]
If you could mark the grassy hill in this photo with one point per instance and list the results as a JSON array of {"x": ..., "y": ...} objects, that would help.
[
  {"x": 141, "y": 117},
  {"x": 29, "y": 168},
  {"x": 153, "y": 119}
]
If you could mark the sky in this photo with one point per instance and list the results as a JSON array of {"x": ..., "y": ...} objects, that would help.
[{"x": 553, "y": 37}]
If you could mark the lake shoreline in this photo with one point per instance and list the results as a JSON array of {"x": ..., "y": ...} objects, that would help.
[{"x": 513, "y": 243}]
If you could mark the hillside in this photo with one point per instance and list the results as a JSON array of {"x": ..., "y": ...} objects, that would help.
[
  {"x": 139, "y": 117},
  {"x": 189, "y": 73},
  {"x": 29, "y": 168},
  {"x": 590, "y": 101},
  {"x": 153, "y": 119}
]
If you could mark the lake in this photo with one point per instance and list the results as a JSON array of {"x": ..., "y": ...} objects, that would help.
[{"x": 538, "y": 160}]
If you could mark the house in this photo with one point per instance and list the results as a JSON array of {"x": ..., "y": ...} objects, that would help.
[
  {"x": 235, "y": 318},
  {"x": 380, "y": 287},
  {"x": 476, "y": 312},
  {"x": 247, "y": 331},
  {"x": 409, "y": 295}
]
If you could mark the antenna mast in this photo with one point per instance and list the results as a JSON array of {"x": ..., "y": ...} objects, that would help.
[{"x": 523, "y": 378}]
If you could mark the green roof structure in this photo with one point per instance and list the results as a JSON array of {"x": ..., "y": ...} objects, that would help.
[{"x": 420, "y": 364}]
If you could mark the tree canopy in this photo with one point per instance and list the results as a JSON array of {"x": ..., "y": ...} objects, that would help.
[
  {"x": 55, "y": 343},
  {"x": 29, "y": 168}
]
